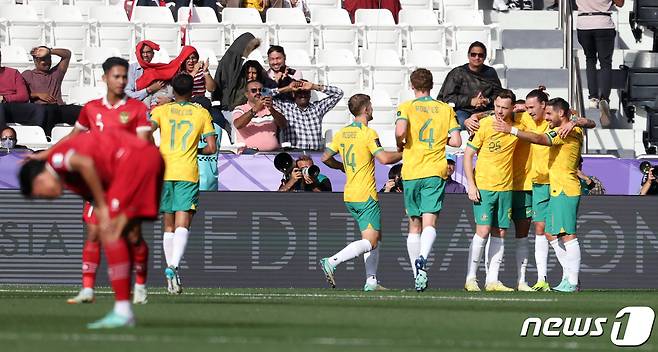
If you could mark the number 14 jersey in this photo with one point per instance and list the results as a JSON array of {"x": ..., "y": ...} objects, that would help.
[
  {"x": 182, "y": 125},
  {"x": 429, "y": 122}
]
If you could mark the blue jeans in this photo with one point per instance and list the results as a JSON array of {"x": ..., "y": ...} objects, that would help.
[{"x": 461, "y": 117}]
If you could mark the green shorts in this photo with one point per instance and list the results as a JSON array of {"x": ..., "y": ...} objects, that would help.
[
  {"x": 494, "y": 208},
  {"x": 367, "y": 214},
  {"x": 563, "y": 211},
  {"x": 423, "y": 195},
  {"x": 521, "y": 205},
  {"x": 179, "y": 196},
  {"x": 540, "y": 196}
]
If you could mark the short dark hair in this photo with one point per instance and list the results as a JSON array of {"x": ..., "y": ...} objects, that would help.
[
  {"x": 182, "y": 84},
  {"x": 29, "y": 171},
  {"x": 395, "y": 171},
  {"x": 421, "y": 79},
  {"x": 506, "y": 94},
  {"x": 538, "y": 93},
  {"x": 477, "y": 44},
  {"x": 560, "y": 104},
  {"x": 253, "y": 81},
  {"x": 11, "y": 129},
  {"x": 357, "y": 103},
  {"x": 114, "y": 61},
  {"x": 304, "y": 157},
  {"x": 276, "y": 48}
]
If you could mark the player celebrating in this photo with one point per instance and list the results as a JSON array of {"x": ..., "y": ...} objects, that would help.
[
  {"x": 491, "y": 191},
  {"x": 123, "y": 179},
  {"x": 422, "y": 128},
  {"x": 358, "y": 145},
  {"x": 182, "y": 125},
  {"x": 565, "y": 142}
]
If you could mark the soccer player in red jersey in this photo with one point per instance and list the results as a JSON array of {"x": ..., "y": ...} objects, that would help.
[
  {"x": 123, "y": 178},
  {"x": 113, "y": 111}
]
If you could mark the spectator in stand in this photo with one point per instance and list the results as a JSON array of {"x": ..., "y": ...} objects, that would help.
[
  {"x": 394, "y": 182},
  {"x": 589, "y": 185},
  {"x": 251, "y": 71},
  {"x": 299, "y": 4},
  {"x": 596, "y": 34},
  {"x": 257, "y": 122},
  {"x": 135, "y": 71},
  {"x": 45, "y": 86},
  {"x": 392, "y": 5},
  {"x": 304, "y": 130},
  {"x": 470, "y": 88},
  {"x": 208, "y": 171},
  {"x": 280, "y": 74},
  {"x": 202, "y": 79},
  {"x": 8, "y": 139},
  {"x": 262, "y": 5},
  {"x": 649, "y": 184},
  {"x": 302, "y": 179},
  {"x": 453, "y": 186},
  {"x": 14, "y": 100}
]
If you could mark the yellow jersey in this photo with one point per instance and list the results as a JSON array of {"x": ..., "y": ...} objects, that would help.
[
  {"x": 182, "y": 126},
  {"x": 522, "y": 164},
  {"x": 563, "y": 162},
  {"x": 429, "y": 123},
  {"x": 357, "y": 145},
  {"x": 493, "y": 170},
  {"x": 539, "y": 174}
]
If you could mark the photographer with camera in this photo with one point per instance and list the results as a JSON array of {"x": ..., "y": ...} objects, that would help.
[
  {"x": 304, "y": 177},
  {"x": 649, "y": 183},
  {"x": 394, "y": 182}
]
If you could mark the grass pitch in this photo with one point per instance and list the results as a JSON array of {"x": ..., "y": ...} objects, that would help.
[{"x": 38, "y": 319}]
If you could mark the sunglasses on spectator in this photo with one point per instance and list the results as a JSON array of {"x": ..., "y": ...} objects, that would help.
[
  {"x": 7, "y": 138},
  {"x": 480, "y": 55},
  {"x": 256, "y": 90}
]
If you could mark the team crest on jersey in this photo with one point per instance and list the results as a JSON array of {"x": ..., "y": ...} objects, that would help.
[
  {"x": 124, "y": 117},
  {"x": 552, "y": 134},
  {"x": 57, "y": 160},
  {"x": 485, "y": 217}
]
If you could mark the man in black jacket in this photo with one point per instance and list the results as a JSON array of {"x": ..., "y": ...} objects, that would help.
[{"x": 472, "y": 86}]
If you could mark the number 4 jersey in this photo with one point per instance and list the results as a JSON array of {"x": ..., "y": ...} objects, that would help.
[
  {"x": 429, "y": 124},
  {"x": 182, "y": 125}
]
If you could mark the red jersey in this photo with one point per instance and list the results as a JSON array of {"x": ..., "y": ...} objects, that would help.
[
  {"x": 106, "y": 149},
  {"x": 128, "y": 114}
]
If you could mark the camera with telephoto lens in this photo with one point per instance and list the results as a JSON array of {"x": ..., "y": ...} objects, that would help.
[
  {"x": 311, "y": 171},
  {"x": 284, "y": 163},
  {"x": 646, "y": 166}
]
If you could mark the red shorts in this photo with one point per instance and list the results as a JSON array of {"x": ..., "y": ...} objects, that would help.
[
  {"x": 88, "y": 215},
  {"x": 135, "y": 190}
]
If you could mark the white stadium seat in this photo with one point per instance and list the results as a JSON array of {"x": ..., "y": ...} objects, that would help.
[
  {"x": 384, "y": 70},
  {"x": 433, "y": 61},
  {"x": 85, "y": 5},
  {"x": 59, "y": 132},
  {"x": 157, "y": 24},
  {"x": 93, "y": 58},
  {"x": 423, "y": 30},
  {"x": 341, "y": 70},
  {"x": 335, "y": 30},
  {"x": 331, "y": 4},
  {"x": 66, "y": 28},
  {"x": 379, "y": 31},
  {"x": 15, "y": 54},
  {"x": 40, "y": 5},
  {"x": 242, "y": 20},
  {"x": 289, "y": 29},
  {"x": 204, "y": 31},
  {"x": 110, "y": 28},
  {"x": 334, "y": 120},
  {"x": 20, "y": 26},
  {"x": 27, "y": 135},
  {"x": 387, "y": 139},
  {"x": 383, "y": 109},
  {"x": 300, "y": 60},
  {"x": 468, "y": 26},
  {"x": 74, "y": 77},
  {"x": 416, "y": 4},
  {"x": 82, "y": 95}
]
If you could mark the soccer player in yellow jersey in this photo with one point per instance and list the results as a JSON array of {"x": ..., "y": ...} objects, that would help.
[
  {"x": 565, "y": 143},
  {"x": 358, "y": 146},
  {"x": 182, "y": 125},
  {"x": 422, "y": 129},
  {"x": 490, "y": 188}
]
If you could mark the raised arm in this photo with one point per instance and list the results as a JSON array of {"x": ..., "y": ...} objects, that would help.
[
  {"x": 504, "y": 127},
  {"x": 388, "y": 158},
  {"x": 65, "y": 54}
]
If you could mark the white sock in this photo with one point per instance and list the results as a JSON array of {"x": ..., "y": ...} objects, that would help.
[
  {"x": 88, "y": 291},
  {"x": 573, "y": 258},
  {"x": 140, "y": 286},
  {"x": 180, "y": 241},
  {"x": 561, "y": 254},
  {"x": 413, "y": 249},
  {"x": 427, "y": 238},
  {"x": 350, "y": 251},
  {"x": 123, "y": 309},
  {"x": 495, "y": 255},
  {"x": 371, "y": 261},
  {"x": 541, "y": 257},
  {"x": 474, "y": 255},
  {"x": 168, "y": 246},
  {"x": 522, "y": 253}
]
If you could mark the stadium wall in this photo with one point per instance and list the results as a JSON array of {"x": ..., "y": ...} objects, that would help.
[{"x": 262, "y": 239}]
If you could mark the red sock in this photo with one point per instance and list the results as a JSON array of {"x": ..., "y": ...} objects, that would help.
[
  {"x": 118, "y": 263},
  {"x": 140, "y": 256},
  {"x": 91, "y": 259}
]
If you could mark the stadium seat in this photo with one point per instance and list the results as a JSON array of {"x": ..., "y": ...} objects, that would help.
[
  {"x": 335, "y": 30},
  {"x": 157, "y": 24},
  {"x": 29, "y": 135},
  {"x": 331, "y": 4},
  {"x": 384, "y": 70},
  {"x": 387, "y": 139},
  {"x": 110, "y": 28},
  {"x": 379, "y": 31},
  {"x": 242, "y": 20},
  {"x": 85, "y": 5},
  {"x": 416, "y": 4},
  {"x": 92, "y": 58},
  {"x": 59, "y": 132},
  {"x": 468, "y": 26},
  {"x": 66, "y": 28},
  {"x": 204, "y": 31},
  {"x": 40, "y": 5},
  {"x": 383, "y": 108},
  {"x": 423, "y": 31},
  {"x": 289, "y": 29},
  {"x": 7, "y": 2},
  {"x": 74, "y": 77},
  {"x": 160, "y": 56},
  {"x": 300, "y": 60},
  {"x": 432, "y": 60},
  {"x": 82, "y": 95},
  {"x": 16, "y": 57},
  {"x": 340, "y": 69},
  {"x": 334, "y": 120},
  {"x": 20, "y": 26}
]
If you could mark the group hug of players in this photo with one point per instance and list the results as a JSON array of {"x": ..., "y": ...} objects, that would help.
[{"x": 110, "y": 160}]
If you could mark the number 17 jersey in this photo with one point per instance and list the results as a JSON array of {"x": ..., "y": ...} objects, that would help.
[
  {"x": 429, "y": 122},
  {"x": 182, "y": 126}
]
